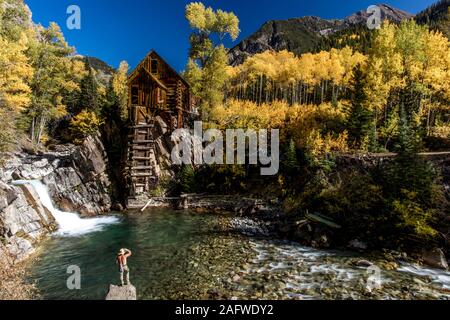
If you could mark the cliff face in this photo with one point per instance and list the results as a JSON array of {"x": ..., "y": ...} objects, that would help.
[{"x": 77, "y": 180}]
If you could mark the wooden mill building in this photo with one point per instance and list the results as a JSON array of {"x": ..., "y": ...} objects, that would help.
[{"x": 155, "y": 89}]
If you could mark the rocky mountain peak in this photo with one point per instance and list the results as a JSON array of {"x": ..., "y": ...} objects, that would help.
[
  {"x": 300, "y": 35},
  {"x": 387, "y": 12}
]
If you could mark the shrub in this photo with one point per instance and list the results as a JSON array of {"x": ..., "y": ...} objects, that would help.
[
  {"x": 7, "y": 132},
  {"x": 223, "y": 178},
  {"x": 413, "y": 216}
]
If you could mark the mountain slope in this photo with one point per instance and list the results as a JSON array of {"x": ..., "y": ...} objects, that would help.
[
  {"x": 437, "y": 17},
  {"x": 298, "y": 35},
  {"x": 306, "y": 34},
  {"x": 104, "y": 72}
]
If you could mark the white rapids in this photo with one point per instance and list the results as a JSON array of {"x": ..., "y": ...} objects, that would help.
[{"x": 70, "y": 223}]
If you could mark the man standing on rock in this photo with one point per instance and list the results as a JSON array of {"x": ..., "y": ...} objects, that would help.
[{"x": 121, "y": 260}]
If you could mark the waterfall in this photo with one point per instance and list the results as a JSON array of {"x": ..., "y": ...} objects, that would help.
[{"x": 70, "y": 224}]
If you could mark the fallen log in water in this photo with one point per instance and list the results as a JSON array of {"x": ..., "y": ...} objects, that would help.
[{"x": 322, "y": 219}]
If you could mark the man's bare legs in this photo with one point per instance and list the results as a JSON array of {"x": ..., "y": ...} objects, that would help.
[{"x": 125, "y": 275}]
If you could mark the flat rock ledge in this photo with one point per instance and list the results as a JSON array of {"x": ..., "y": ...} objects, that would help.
[{"x": 122, "y": 293}]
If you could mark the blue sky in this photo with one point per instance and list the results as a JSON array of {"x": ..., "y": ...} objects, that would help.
[{"x": 115, "y": 30}]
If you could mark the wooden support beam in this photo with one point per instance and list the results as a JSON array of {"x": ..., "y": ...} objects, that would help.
[
  {"x": 142, "y": 148},
  {"x": 142, "y": 142},
  {"x": 142, "y": 168},
  {"x": 143, "y": 126},
  {"x": 141, "y": 175}
]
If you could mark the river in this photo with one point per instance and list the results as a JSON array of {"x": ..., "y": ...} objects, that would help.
[{"x": 187, "y": 255}]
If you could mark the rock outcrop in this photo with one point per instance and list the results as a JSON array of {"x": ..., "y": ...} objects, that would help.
[
  {"x": 23, "y": 220},
  {"x": 77, "y": 180},
  {"x": 387, "y": 13},
  {"x": 122, "y": 293},
  {"x": 76, "y": 176}
]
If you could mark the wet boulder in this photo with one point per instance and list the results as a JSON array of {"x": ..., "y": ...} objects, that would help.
[
  {"x": 362, "y": 263},
  {"x": 435, "y": 258}
]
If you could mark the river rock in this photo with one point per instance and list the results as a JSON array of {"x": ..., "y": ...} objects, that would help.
[
  {"x": 435, "y": 258},
  {"x": 356, "y": 244},
  {"x": 122, "y": 293},
  {"x": 362, "y": 263}
]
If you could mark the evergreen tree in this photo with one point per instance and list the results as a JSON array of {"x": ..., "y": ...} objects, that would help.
[
  {"x": 359, "y": 116},
  {"x": 187, "y": 179},
  {"x": 291, "y": 163},
  {"x": 89, "y": 97},
  {"x": 111, "y": 101},
  {"x": 410, "y": 172}
]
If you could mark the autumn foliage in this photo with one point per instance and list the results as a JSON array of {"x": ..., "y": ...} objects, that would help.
[{"x": 406, "y": 66}]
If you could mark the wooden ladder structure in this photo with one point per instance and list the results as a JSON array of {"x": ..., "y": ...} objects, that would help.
[{"x": 141, "y": 151}]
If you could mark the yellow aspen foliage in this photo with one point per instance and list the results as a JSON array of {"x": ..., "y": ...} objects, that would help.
[
  {"x": 309, "y": 126},
  {"x": 78, "y": 70},
  {"x": 246, "y": 114},
  {"x": 321, "y": 68},
  {"x": 378, "y": 88},
  {"x": 208, "y": 21},
  {"x": 306, "y": 65},
  {"x": 285, "y": 66},
  {"x": 120, "y": 88},
  {"x": 15, "y": 72},
  {"x": 84, "y": 124},
  {"x": 384, "y": 67},
  {"x": 294, "y": 77},
  {"x": 348, "y": 60},
  {"x": 196, "y": 15},
  {"x": 436, "y": 71}
]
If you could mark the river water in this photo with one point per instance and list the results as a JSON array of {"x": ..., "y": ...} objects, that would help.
[{"x": 186, "y": 255}]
